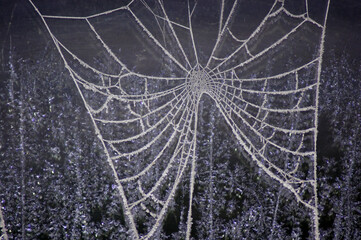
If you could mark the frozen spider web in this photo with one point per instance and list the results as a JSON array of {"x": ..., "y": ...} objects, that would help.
[{"x": 147, "y": 69}]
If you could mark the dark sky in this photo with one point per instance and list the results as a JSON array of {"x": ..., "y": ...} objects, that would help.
[{"x": 19, "y": 22}]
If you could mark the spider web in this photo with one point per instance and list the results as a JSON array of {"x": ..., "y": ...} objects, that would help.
[{"x": 143, "y": 95}]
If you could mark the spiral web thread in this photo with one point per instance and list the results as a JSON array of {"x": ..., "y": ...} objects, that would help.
[{"x": 147, "y": 124}]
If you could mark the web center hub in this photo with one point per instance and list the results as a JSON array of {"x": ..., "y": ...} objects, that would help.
[{"x": 198, "y": 81}]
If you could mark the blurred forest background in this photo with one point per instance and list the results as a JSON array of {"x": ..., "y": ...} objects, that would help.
[{"x": 55, "y": 182}]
